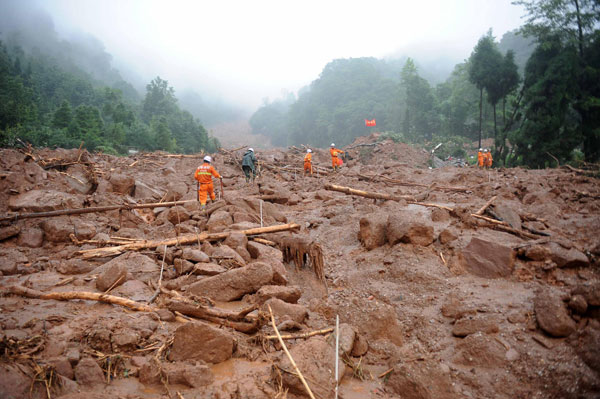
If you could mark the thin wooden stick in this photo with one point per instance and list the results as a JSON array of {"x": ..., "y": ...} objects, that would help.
[
  {"x": 285, "y": 349},
  {"x": 302, "y": 335},
  {"x": 162, "y": 266},
  {"x": 483, "y": 208}
]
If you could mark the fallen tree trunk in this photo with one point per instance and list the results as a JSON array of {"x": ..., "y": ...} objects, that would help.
[
  {"x": 93, "y": 209},
  {"x": 411, "y": 184},
  {"x": 70, "y": 295},
  {"x": 505, "y": 227},
  {"x": 484, "y": 207},
  {"x": 367, "y": 194},
  {"x": 182, "y": 240}
]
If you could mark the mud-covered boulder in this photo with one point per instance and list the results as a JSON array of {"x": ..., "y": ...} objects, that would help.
[
  {"x": 552, "y": 315},
  {"x": 192, "y": 374},
  {"x": 590, "y": 291},
  {"x": 289, "y": 294},
  {"x": 261, "y": 251},
  {"x": 44, "y": 201},
  {"x": 59, "y": 229},
  {"x": 11, "y": 259},
  {"x": 135, "y": 290},
  {"x": 9, "y": 231},
  {"x": 537, "y": 252},
  {"x": 182, "y": 266},
  {"x": 14, "y": 383},
  {"x": 586, "y": 343},
  {"x": 112, "y": 276},
  {"x": 347, "y": 337},
  {"x": 122, "y": 184},
  {"x": 567, "y": 257},
  {"x": 177, "y": 214},
  {"x": 32, "y": 237},
  {"x": 420, "y": 381},
  {"x": 200, "y": 341},
  {"x": 286, "y": 311},
  {"x": 236, "y": 239},
  {"x": 446, "y": 236},
  {"x": 225, "y": 253},
  {"x": 488, "y": 259},
  {"x": 219, "y": 221},
  {"x": 578, "y": 304},
  {"x": 401, "y": 228},
  {"x": 234, "y": 283},
  {"x": 194, "y": 255},
  {"x": 470, "y": 325},
  {"x": 315, "y": 357},
  {"x": 372, "y": 230},
  {"x": 87, "y": 372},
  {"x": 506, "y": 212},
  {"x": 144, "y": 191},
  {"x": 75, "y": 266},
  {"x": 480, "y": 350},
  {"x": 139, "y": 266},
  {"x": 208, "y": 269},
  {"x": 77, "y": 179}
]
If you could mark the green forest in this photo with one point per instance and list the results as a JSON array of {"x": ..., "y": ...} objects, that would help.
[{"x": 536, "y": 92}]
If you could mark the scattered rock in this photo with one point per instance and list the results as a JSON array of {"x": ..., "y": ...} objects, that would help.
[
  {"x": 286, "y": 311},
  {"x": 480, "y": 350},
  {"x": 31, "y": 237},
  {"x": 234, "y": 283},
  {"x": 236, "y": 239},
  {"x": 122, "y": 184},
  {"x": 360, "y": 347},
  {"x": 200, "y": 341},
  {"x": 194, "y": 255},
  {"x": 372, "y": 231},
  {"x": 470, "y": 325},
  {"x": 177, "y": 214},
  {"x": 208, "y": 269},
  {"x": 538, "y": 252},
  {"x": 578, "y": 304},
  {"x": 9, "y": 231},
  {"x": 440, "y": 215},
  {"x": 446, "y": 236},
  {"x": 586, "y": 343},
  {"x": 314, "y": 357},
  {"x": 219, "y": 221},
  {"x": 223, "y": 253},
  {"x": 288, "y": 294},
  {"x": 564, "y": 257},
  {"x": 87, "y": 372},
  {"x": 261, "y": 251},
  {"x": 590, "y": 291},
  {"x": 11, "y": 259},
  {"x": 488, "y": 259},
  {"x": 44, "y": 201},
  {"x": 551, "y": 314},
  {"x": 115, "y": 275},
  {"x": 506, "y": 213},
  {"x": 416, "y": 381},
  {"x": 75, "y": 266},
  {"x": 347, "y": 337}
]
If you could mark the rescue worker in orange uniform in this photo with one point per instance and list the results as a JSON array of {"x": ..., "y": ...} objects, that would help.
[
  {"x": 308, "y": 162},
  {"x": 488, "y": 158},
  {"x": 335, "y": 161},
  {"x": 204, "y": 175},
  {"x": 480, "y": 158}
]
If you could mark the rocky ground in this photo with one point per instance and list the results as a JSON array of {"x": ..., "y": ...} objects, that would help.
[{"x": 434, "y": 299}]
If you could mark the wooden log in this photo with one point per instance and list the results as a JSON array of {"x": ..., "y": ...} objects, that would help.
[
  {"x": 432, "y": 205},
  {"x": 182, "y": 240},
  {"x": 70, "y": 295},
  {"x": 79, "y": 211},
  {"x": 505, "y": 227},
  {"x": 200, "y": 311},
  {"x": 483, "y": 208},
  {"x": 367, "y": 194},
  {"x": 411, "y": 184},
  {"x": 302, "y": 335}
]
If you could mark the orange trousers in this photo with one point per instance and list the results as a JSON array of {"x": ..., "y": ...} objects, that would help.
[
  {"x": 206, "y": 188},
  {"x": 308, "y": 167}
]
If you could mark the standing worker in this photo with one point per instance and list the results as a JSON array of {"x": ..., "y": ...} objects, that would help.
[
  {"x": 335, "y": 161},
  {"x": 248, "y": 164},
  {"x": 308, "y": 162},
  {"x": 488, "y": 158},
  {"x": 480, "y": 158},
  {"x": 204, "y": 175}
]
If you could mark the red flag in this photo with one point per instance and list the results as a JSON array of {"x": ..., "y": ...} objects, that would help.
[{"x": 370, "y": 122}]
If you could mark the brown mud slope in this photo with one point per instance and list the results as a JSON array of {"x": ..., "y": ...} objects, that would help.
[{"x": 437, "y": 295}]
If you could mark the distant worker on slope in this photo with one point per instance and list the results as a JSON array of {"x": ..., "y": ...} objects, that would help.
[
  {"x": 336, "y": 162},
  {"x": 249, "y": 165},
  {"x": 204, "y": 175},
  {"x": 480, "y": 158},
  {"x": 308, "y": 162},
  {"x": 488, "y": 159}
]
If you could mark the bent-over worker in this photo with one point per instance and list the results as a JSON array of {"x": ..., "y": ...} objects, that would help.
[
  {"x": 335, "y": 160},
  {"x": 204, "y": 175}
]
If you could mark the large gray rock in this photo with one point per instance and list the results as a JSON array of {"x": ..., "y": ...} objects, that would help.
[
  {"x": 488, "y": 259},
  {"x": 552, "y": 315},
  {"x": 234, "y": 283},
  {"x": 507, "y": 213},
  {"x": 401, "y": 228},
  {"x": 570, "y": 257},
  {"x": 200, "y": 341},
  {"x": 219, "y": 221},
  {"x": 44, "y": 201}
]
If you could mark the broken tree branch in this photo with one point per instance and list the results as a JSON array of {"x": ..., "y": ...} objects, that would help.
[
  {"x": 70, "y": 295},
  {"x": 367, "y": 194},
  {"x": 182, "y": 240},
  {"x": 93, "y": 209},
  {"x": 302, "y": 335},
  {"x": 483, "y": 208}
]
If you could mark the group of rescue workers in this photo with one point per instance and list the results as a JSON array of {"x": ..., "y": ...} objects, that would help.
[
  {"x": 484, "y": 158},
  {"x": 206, "y": 171}
]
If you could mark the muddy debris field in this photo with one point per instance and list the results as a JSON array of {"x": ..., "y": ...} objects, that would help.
[{"x": 448, "y": 283}]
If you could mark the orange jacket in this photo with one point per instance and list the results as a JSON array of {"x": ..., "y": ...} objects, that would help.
[
  {"x": 205, "y": 173},
  {"x": 308, "y": 158},
  {"x": 488, "y": 159},
  {"x": 334, "y": 152},
  {"x": 480, "y": 158}
]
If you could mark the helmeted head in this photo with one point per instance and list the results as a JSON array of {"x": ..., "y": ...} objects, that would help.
[
  {"x": 486, "y": 150},
  {"x": 481, "y": 149},
  {"x": 207, "y": 159},
  {"x": 251, "y": 149},
  {"x": 333, "y": 144},
  {"x": 309, "y": 151}
]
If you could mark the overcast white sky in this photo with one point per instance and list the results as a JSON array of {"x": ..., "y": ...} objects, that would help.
[{"x": 248, "y": 50}]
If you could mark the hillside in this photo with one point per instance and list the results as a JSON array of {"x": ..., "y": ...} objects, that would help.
[{"x": 463, "y": 283}]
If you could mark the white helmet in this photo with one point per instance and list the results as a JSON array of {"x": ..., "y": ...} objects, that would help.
[
  {"x": 481, "y": 149},
  {"x": 208, "y": 159},
  {"x": 251, "y": 149},
  {"x": 333, "y": 144},
  {"x": 309, "y": 150}
]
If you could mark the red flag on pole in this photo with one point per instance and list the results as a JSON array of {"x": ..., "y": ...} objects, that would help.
[{"x": 370, "y": 122}]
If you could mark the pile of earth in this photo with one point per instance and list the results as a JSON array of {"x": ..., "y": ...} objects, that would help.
[{"x": 437, "y": 294}]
